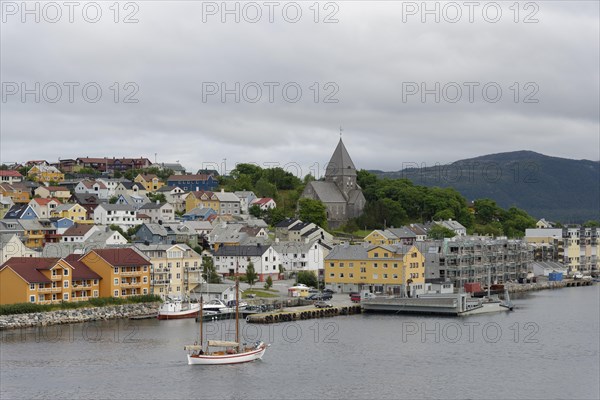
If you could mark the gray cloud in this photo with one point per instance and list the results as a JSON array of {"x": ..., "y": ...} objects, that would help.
[{"x": 368, "y": 55}]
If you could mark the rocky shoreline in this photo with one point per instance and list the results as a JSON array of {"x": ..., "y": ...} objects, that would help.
[{"x": 78, "y": 315}]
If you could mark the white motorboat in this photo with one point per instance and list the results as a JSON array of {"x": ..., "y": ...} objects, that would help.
[
  {"x": 177, "y": 309},
  {"x": 216, "y": 306}
]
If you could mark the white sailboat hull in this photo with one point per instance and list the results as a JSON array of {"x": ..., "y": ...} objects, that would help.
[{"x": 221, "y": 359}]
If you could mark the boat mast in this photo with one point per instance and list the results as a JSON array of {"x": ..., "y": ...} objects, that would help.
[
  {"x": 201, "y": 320},
  {"x": 237, "y": 306}
]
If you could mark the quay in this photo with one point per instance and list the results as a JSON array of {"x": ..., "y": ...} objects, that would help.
[{"x": 302, "y": 313}]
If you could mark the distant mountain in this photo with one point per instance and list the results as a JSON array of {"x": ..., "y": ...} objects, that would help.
[{"x": 554, "y": 188}]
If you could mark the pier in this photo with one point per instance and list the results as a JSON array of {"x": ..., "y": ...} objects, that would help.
[{"x": 303, "y": 313}]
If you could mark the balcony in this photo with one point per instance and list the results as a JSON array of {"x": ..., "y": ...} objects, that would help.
[
  {"x": 131, "y": 284},
  {"x": 160, "y": 282},
  {"x": 131, "y": 273},
  {"x": 56, "y": 277}
]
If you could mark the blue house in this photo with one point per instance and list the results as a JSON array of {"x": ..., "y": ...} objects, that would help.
[
  {"x": 193, "y": 183},
  {"x": 199, "y": 214},
  {"x": 21, "y": 211},
  {"x": 62, "y": 224}
]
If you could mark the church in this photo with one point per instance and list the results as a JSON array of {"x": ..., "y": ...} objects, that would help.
[{"x": 339, "y": 192}]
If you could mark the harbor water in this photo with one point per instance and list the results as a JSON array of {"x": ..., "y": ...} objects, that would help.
[{"x": 547, "y": 348}]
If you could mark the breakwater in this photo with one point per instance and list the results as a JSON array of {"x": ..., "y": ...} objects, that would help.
[
  {"x": 87, "y": 314},
  {"x": 528, "y": 287},
  {"x": 295, "y": 315}
]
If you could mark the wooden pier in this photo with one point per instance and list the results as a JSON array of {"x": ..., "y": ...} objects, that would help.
[{"x": 302, "y": 314}]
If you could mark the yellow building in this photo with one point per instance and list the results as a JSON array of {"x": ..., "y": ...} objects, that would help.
[
  {"x": 45, "y": 173},
  {"x": 57, "y": 192},
  {"x": 151, "y": 182},
  {"x": 202, "y": 199},
  {"x": 124, "y": 271},
  {"x": 74, "y": 212},
  {"x": 16, "y": 191},
  {"x": 377, "y": 268},
  {"x": 378, "y": 237},
  {"x": 46, "y": 280}
]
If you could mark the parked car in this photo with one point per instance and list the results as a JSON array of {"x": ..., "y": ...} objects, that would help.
[
  {"x": 355, "y": 297},
  {"x": 319, "y": 296},
  {"x": 312, "y": 290},
  {"x": 330, "y": 291},
  {"x": 323, "y": 304}
]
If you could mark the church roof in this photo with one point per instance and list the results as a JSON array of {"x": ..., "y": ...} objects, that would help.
[
  {"x": 327, "y": 192},
  {"x": 340, "y": 162}
]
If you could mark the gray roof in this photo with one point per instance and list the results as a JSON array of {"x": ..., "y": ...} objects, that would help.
[
  {"x": 157, "y": 229},
  {"x": 152, "y": 206},
  {"x": 327, "y": 192},
  {"x": 160, "y": 247},
  {"x": 32, "y": 224},
  {"x": 227, "y": 197},
  {"x": 117, "y": 207},
  {"x": 242, "y": 251},
  {"x": 340, "y": 162},
  {"x": 359, "y": 251},
  {"x": 402, "y": 232}
]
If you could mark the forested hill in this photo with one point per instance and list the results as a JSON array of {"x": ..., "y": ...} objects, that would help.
[{"x": 554, "y": 188}]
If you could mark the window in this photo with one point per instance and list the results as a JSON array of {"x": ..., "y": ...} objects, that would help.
[
  {"x": 145, "y": 291},
  {"x": 395, "y": 265},
  {"x": 116, "y": 281},
  {"x": 65, "y": 272},
  {"x": 384, "y": 265},
  {"x": 145, "y": 279},
  {"x": 385, "y": 276},
  {"x": 375, "y": 265},
  {"x": 351, "y": 275},
  {"x": 178, "y": 288},
  {"x": 95, "y": 293},
  {"x": 385, "y": 255},
  {"x": 332, "y": 275},
  {"x": 395, "y": 276},
  {"x": 124, "y": 292},
  {"x": 65, "y": 284},
  {"x": 66, "y": 296},
  {"x": 32, "y": 286},
  {"x": 178, "y": 275},
  {"x": 376, "y": 255},
  {"x": 375, "y": 276},
  {"x": 363, "y": 269},
  {"x": 116, "y": 270},
  {"x": 95, "y": 281},
  {"x": 145, "y": 268},
  {"x": 341, "y": 264},
  {"x": 32, "y": 299},
  {"x": 341, "y": 275}
]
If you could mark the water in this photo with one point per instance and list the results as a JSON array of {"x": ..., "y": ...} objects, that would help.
[{"x": 547, "y": 348}]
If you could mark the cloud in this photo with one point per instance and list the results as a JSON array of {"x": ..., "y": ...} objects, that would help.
[{"x": 354, "y": 73}]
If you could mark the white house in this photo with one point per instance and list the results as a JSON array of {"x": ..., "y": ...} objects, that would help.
[
  {"x": 246, "y": 198},
  {"x": 454, "y": 226},
  {"x": 44, "y": 207},
  {"x": 265, "y": 258},
  {"x": 117, "y": 214},
  {"x": 12, "y": 246},
  {"x": 265, "y": 203},
  {"x": 79, "y": 233},
  {"x": 302, "y": 256},
  {"x": 163, "y": 213},
  {"x": 220, "y": 291},
  {"x": 129, "y": 188},
  {"x": 88, "y": 186}
]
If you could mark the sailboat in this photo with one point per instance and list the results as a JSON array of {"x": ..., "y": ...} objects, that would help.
[{"x": 225, "y": 352}]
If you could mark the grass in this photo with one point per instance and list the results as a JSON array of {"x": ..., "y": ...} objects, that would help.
[
  {"x": 27, "y": 308},
  {"x": 260, "y": 293}
]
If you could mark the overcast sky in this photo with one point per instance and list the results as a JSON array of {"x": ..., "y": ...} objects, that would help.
[{"x": 374, "y": 61}]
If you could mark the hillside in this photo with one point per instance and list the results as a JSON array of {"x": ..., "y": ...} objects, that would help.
[{"x": 554, "y": 188}]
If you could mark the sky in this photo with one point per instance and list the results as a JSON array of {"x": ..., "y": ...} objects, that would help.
[{"x": 212, "y": 84}]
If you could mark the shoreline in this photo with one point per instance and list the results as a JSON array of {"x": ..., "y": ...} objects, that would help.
[{"x": 78, "y": 315}]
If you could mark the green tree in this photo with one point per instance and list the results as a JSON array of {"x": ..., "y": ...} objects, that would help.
[
  {"x": 268, "y": 282},
  {"x": 264, "y": 188},
  {"x": 209, "y": 272},
  {"x": 308, "y": 278},
  {"x": 486, "y": 211},
  {"x": 113, "y": 200},
  {"x": 313, "y": 211},
  {"x": 275, "y": 216},
  {"x": 251, "y": 275},
  {"x": 255, "y": 211},
  {"x": 438, "y": 232},
  {"x": 160, "y": 197},
  {"x": 591, "y": 224}
]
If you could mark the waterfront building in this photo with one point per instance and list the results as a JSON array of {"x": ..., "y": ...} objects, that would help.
[
  {"x": 193, "y": 182},
  {"x": 176, "y": 269},
  {"x": 376, "y": 268},
  {"x": 264, "y": 257},
  {"x": 124, "y": 271}
]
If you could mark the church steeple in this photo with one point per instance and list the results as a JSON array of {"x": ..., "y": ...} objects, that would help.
[
  {"x": 341, "y": 170},
  {"x": 340, "y": 163}
]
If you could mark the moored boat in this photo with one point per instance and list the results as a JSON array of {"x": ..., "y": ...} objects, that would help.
[{"x": 176, "y": 309}]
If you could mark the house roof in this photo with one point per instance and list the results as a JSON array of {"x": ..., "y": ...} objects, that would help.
[
  {"x": 80, "y": 270},
  {"x": 360, "y": 252},
  {"x": 78, "y": 230},
  {"x": 55, "y": 188},
  {"x": 122, "y": 257},
  {"x": 28, "y": 267},
  {"x": 262, "y": 201},
  {"x": 17, "y": 211},
  {"x": 227, "y": 197},
  {"x": 196, "y": 177},
  {"x": 201, "y": 211},
  {"x": 148, "y": 177},
  {"x": 242, "y": 251},
  {"x": 43, "y": 202},
  {"x": 8, "y": 172},
  {"x": 287, "y": 222},
  {"x": 117, "y": 207},
  {"x": 402, "y": 232}
]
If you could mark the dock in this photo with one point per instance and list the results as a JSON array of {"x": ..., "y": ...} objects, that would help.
[{"x": 289, "y": 315}]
